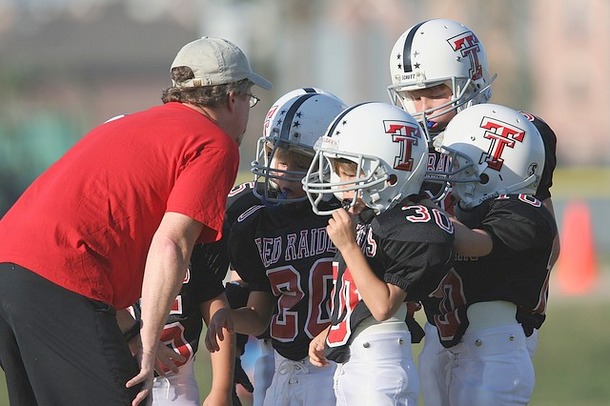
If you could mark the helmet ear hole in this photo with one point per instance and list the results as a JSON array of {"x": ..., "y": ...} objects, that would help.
[
  {"x": 483, "y": 179},
  {"x": 392, "y": 180}
]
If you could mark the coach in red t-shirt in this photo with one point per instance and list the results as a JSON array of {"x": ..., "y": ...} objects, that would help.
[{"x": 113, "y": 220}]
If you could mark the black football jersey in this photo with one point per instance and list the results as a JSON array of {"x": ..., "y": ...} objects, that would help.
[
  {"x": 285, "y": 250},
  {"x": 516, "y": 270},
  {"x": 410, "y": 246},
  {"x": 211, "y": 259},
  {"x": 240, "y": 201}
]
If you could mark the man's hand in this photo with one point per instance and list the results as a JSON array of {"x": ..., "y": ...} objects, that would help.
[{"x": 145, "y": 377}]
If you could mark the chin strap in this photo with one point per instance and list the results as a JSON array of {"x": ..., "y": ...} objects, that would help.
[
  {"x": 507, "y": 191},
  {"x": 518, "y": 186}
]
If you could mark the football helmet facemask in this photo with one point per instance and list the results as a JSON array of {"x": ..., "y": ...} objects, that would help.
[
  {"x": 388, "y": 147},
  {"x": 294, "y": 122},
  {"x": 494, "y": 150},
  {"x": 436, "y": 52}
]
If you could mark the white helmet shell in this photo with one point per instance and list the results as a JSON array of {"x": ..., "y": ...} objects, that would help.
[
  {"x": 388, "y": 147},
  {"x": 435, "y": 52},
  {"x": 494, "y": 150},
  {"x": 295, "y": 122}
]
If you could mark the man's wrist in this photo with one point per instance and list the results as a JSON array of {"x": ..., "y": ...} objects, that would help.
[{"x": 133, "y": 331}]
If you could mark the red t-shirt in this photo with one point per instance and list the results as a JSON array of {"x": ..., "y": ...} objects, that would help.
[{"x": 87, "y": 222}]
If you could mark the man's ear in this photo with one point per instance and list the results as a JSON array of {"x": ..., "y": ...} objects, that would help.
[{"x": 230, "y": 101}]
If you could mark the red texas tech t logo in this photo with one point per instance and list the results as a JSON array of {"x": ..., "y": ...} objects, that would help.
[
  {"x": 406, "y": 136},
  {"x": 467, "y": 44},
  {"x": 502, "y": 135}
]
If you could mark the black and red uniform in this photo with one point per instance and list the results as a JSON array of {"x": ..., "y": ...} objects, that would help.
[
  {"x": 516, "y": 270},
  {"x": 409, "y": 245},
  {"x": 285, "y": 250}
]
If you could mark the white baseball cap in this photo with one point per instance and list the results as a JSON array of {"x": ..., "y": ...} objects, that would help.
[{"x": 216, "y": 61}]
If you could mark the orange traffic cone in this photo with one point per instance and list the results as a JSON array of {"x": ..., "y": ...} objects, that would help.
[{"x": 577, "y": 264}]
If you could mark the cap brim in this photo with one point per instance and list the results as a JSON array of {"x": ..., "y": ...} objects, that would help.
[{"x": 260, "y": 81}]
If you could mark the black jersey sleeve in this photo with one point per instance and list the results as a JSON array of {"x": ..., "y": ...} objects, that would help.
[
  {"x": 211, "y": 263},
  {"x": 244, "y": 256},
  {"x": 415, "y": 244},
  {"x": 211, "y": 260},
  {"x": 416, "y": 267},
  {"x": 515, "y": 224}
]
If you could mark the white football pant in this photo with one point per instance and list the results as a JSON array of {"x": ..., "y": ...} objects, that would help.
[{"x": 380, "y": 371}]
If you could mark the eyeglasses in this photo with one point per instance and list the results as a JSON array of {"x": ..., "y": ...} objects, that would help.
[{"x": 253, "y": 100}]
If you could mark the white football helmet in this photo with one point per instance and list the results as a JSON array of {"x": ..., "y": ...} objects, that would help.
[
  {"x": 435, "y": 52},
  {"x": 389, "y": 148},
  {"x": 494, "y": 150},
  {"x": 295, "y": 122}
]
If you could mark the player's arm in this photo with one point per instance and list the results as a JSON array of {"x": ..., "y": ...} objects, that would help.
[
  {"x": 253, "y": 319},
  {"x": 468, "y": 242},
  {"x": 222, "y": 360},
  {"x": 471, "y": 242},
  {"x": 543, "y": 192},
  {"x": 166, "y": 357},
  {"x": 383, "y": 299},
  {"x": 130, "y": 328}
]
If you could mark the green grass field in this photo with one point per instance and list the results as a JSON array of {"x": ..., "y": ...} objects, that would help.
[{"x": 572, "y": 363}]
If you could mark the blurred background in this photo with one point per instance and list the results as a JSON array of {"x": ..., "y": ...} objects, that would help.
[{"x": 68, "y": 65}]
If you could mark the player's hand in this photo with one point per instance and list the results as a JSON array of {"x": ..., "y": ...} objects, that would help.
[
  {"x": 316, "y": 350},
  {"x": 340, "y": 229},
  {"x": 220, "y": 321},
  {"x": 167, "y": 359},
  {"x": 145, "y": 377}
]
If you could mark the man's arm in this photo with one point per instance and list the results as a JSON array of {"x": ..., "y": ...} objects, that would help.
[{"x": 166, "y": 265}]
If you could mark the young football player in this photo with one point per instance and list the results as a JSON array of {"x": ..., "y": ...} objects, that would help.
[
  {"x": 450, "y": 76},
  {"x": 498, "y": 289},
  {"x": 392, "y": 248},
  {"x": 434, "y": 86},
  {"x": 280, "y": 248}
]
